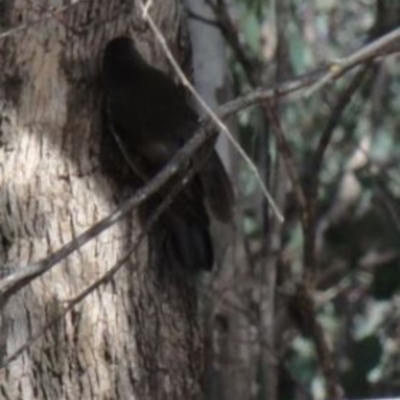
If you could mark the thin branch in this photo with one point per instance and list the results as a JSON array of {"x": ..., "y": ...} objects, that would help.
[
  {"x": 377, "y": 48},
  {"x": 341, "y": 104},
  {"x": 110, "y": 273},
  {"x": 311, "y": 187},
  {"x": 72, "y": 303},
  {"x": 230, "y": 34},
  {"x": 205, "y": 20},
  {"x": 288, "y": 158},
  {"x": 304, "y": 304},
  {"x": 25, "y": 274},
  {"x": 217, "y": 120},
  {"x": 325, "y": 358}
]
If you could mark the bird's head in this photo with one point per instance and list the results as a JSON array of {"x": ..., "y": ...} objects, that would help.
[{"x": 121, "y": 56}]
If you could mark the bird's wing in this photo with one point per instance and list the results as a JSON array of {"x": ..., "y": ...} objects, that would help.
[{"x": 218, "y": 188}]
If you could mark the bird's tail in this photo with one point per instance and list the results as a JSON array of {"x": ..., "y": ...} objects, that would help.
[{"x": 179, "y": 244}]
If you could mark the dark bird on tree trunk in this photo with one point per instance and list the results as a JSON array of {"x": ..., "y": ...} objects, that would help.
[{"x": 151, "y": 120}]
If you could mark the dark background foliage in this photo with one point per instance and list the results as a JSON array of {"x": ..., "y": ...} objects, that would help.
[{"x": 354, "y": 192}]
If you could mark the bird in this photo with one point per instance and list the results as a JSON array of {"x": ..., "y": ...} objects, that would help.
[{"x": 152, "y": 119}]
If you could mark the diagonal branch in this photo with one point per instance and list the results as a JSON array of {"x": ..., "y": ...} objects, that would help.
[
  {"x": 217, "y": 120},
  {"x": 385, "y": 45},
  {"x": 109, "y": 274},
  {"x": 25, "y": 274}
]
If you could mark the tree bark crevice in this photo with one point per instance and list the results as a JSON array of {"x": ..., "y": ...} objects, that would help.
[{"x": 130, "y": 338}]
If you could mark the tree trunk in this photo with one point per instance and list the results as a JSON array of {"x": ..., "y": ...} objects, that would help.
[
  {"x": 130, "y": 338},
  {"x": 230, "y": 358}
]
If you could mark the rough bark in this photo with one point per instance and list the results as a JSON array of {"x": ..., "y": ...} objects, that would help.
[{"x": 131, "y": 338}]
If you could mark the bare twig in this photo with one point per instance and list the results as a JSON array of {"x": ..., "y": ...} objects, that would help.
[
  {"x": 110, "y": 273},
  {"x": 23, "y": 275},
  {"x": 230, "y": 34},
  {"x": 287, "y": 156},
  {"x": 205, "y": 20},
  {"x": 334, "y": 119},
  {"x": 71, "y": 304},
  {"x": 369, "y": 52},
  {"x": 311, "y": 187},
  {"x": 217, "y": 121},
  {"x": 305, "y": 305}
]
